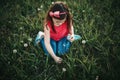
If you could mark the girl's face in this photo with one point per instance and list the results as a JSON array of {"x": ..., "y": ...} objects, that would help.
[{"x": 58, "y": 22}]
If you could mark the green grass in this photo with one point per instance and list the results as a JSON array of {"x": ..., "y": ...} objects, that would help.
[{"x": 97, "y": 21}]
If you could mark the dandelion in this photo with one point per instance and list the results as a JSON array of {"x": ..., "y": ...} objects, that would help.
[
  {"x": 24, "y": 34},
  {"x": 83, "y": 41},
  {"x": 21, "y": 28},
  {"x": 64, "y": 69},
  {"x": 30, "y": 39},
  {"x": 39, "y": 9},
  {"x": 64, "y": 2},
  {"x": 9, "y": 21},
  {"x": 14, "y": 51},
  {"x": 41, "y": 6},
  {"x": 76, "y": 30},
  {"x": 25, "y": 45},
  {"x": 83, "y": 11},
  {"x": 97, "y": 77},
  {"x": 21, "y": 41},
  {"x": 8, "y": 62},
  {"x": 53, "y": 2}
]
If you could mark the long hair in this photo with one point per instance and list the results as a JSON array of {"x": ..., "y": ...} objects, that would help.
[{"x": 68, "y": 17}]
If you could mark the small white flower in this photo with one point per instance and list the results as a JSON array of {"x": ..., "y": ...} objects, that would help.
[
  {"x": 24, "y": 34},
  {"x": 38, "y": 9},
  {"x": 53, "y": 2},
  {"x": 83, "y": 41},
  {"x": 8, "y": 62},
  {"x": 97, "y": 77},
  {"x": 41, "y": 6},
  {"x": 25, "y": 45},
  {"x": 21, "y": 41},
  {"x": 21, "y": 28},
  {"x": 83, "y": 11},
  {"x": 64, "y": 69},
  {"x": 9, "y": 21},
  {"x": 30, "y": 39},
  {"x": 14, "y": 51},
  {"x": 64, "y": 2}
]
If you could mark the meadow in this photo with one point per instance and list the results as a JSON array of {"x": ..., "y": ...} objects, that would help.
[{"x": 94, "y": 57}]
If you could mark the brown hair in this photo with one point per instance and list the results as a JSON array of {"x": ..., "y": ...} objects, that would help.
[{"x": 49, "y": 18}]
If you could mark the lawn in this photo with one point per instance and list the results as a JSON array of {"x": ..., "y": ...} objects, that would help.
[{"x": 94, "y": 57}]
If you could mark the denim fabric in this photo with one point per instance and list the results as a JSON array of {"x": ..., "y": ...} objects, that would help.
[
  {"x": 63, "y": 46},
  {"x": 59, "y": 47},
  {"x": 53, "y": 45}
]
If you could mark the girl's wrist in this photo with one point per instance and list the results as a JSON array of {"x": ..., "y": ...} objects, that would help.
[{"x": 54, "y": 56}]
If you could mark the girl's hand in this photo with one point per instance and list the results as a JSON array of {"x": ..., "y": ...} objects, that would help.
[{"x": 58, "y": 60}]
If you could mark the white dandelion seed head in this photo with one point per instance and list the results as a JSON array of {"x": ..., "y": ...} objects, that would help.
[
  {"x": 14, "y": 51},
  {"x": 8, "y": 62},
  {"x": 25, "y": 45},
  {"x": 9, "y": 21},
  {"x": 83, "y": 41},
  {"x": 83, "y": 11},
  {"x": 41, "y": 6},
  {"x": 53, "y": 2},
  {"x": 21, "y": 41},
  {"x": 97, "y": 77},
  {"x": 64, "y": 69},
  {"x": 30, "y": 39},
  {"x": 38, "y": 9},
  {"x": 24, "y": 34},
  {"x": 64, "y": 2},
  {"x": 21, "y": 28}
]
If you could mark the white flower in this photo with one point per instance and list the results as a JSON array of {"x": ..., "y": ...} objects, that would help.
[
  {"x": 25, "y": 45},
  {"x": 64, "y": 69},
  {"x": 8, "y": 62},
  {"x": 83, "y": 41},
  {"x": 30, "y": 39},
  {"x": 21, "y": 41},
  {"x": 14, "y": 51},
  {"x": 21, "y": 28},
  {"x": 38, "y": 9},
  {"x": 97, "y": 77},
  {"x": 41, "y": 6},
  {"x": 53, "y": 2},
  {"x": 9, "y": 21},
  {"x": 24, "y": 34},
  {"x": 83, "y": 11},
  {"x": 64, "y": 2}
]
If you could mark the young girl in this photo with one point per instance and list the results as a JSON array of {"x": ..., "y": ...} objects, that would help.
[{"x": 58, "y": 32}]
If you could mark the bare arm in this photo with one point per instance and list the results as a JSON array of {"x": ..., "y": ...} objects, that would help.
[
  {"x": 71, "y": 30},
  {"x": 48, "y": 46}
]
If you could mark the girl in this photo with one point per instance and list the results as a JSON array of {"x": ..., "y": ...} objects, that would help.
[{"x": 58, "y": 32}]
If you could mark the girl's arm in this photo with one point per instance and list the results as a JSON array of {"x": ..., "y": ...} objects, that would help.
[
  {"x": 71, "y": 30},
  {"x": 48, "y": 46}
]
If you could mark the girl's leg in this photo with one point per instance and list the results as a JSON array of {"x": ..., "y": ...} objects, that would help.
[
  {"x": 53, "y": 45},
  {"x": 63, "y": 46},
  {"x": 38, "y": 38}
]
